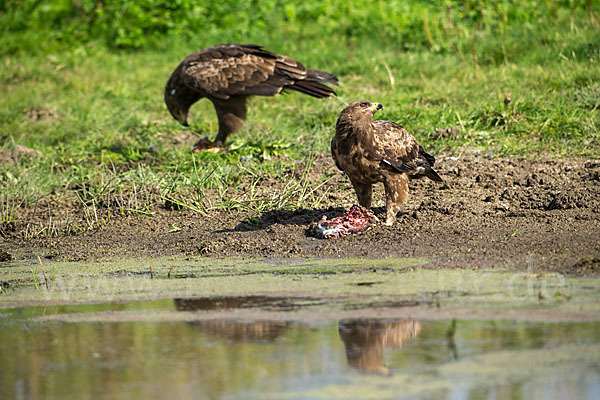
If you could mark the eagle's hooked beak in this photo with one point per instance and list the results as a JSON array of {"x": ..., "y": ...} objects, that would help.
[
  {"x": 375, "y": 107},
  {"x": 182, "y": 119}
]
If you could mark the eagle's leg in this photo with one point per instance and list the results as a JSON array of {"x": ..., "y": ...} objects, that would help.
[
  {"x": 364, "y": 193},
  {"x": 396, "y": 193},
  {"x": 231, "y": 114}
]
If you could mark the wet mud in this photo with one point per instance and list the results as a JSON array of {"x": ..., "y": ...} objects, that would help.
[{"x": 534, "y": 215}]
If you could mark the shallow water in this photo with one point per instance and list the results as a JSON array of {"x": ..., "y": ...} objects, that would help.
[{"x": 191, "y": 349}]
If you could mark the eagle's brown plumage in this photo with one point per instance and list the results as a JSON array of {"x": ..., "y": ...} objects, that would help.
[
  {"x": 378, "y": 151},
  {"x": 227, "y": 74}
]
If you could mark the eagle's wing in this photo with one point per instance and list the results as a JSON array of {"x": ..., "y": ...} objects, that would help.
[
  {"x": 226, "y": 70},
  {"x": 395, "y": 146},
  {"x": 334, "y": 150},
  {"x": 400, "y": 151}
]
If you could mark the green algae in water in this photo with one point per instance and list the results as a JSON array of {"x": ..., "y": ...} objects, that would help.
[{"x": 345, "y": 284}]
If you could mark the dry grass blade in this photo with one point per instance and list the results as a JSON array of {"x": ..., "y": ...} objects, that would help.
[
  {"x": 171, "y": 270},
  {"x": 44, "y": 272}
]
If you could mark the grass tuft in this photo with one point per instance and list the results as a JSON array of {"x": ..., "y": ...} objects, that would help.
[{"x": 83, "y": 120}]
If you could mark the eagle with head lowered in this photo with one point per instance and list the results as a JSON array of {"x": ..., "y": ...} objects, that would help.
[
  {"x": 227, "y": 74},
  {"x": 378, "y": 151}
]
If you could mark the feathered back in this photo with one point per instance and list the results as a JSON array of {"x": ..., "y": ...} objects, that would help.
[{"x": 244, "y": 69}]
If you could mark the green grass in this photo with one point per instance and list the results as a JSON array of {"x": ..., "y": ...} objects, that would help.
[{"x": 95, "y": 111}]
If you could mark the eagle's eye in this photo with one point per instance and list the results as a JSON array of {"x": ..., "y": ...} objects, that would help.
[
  {"x": 364, "y": 104},
  {"x": 173, "y": 92}
]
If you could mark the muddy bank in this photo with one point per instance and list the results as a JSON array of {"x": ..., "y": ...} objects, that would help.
[{"x": 511, "y": 213}]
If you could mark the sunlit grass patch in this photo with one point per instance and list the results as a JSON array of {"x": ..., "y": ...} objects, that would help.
[{"x": 517, "y": 80}]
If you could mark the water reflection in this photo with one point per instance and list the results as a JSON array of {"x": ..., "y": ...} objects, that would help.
[
  {"x": 239, "y": 358},
  {"x": 269, "y": 303},
  {"x": 235, "y": 330},
  {"x": 365, "y": 340}
]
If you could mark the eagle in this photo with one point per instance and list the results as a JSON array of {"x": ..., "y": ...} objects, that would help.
[
  {"x": 228, "y": 74},
  {"x": 378, "y": 151}
]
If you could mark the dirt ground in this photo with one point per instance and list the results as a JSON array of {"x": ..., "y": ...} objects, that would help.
[{"x": 540, "y": 215}]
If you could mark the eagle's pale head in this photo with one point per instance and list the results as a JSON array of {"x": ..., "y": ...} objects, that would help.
[
  {"x": 176, "y": 101},
  {"x": 359, "y": 112}
]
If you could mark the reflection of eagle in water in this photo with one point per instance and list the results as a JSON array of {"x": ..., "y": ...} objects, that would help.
[
  {"x": 233, "y": 330},
  {"x": 378, "y": 151},
  {"x": 240, "y": 331},
  {"x": 227, "y": 74},
  {"x": 365, "y": 339}
]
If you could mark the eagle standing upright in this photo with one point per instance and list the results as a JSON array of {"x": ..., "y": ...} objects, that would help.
[
  {"x": 378, "y": 151},
  {"x": 227, "y": 74}
]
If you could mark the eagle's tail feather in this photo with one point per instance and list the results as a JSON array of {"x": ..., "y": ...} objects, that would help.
[
  {"x": 312, "y": 88},
  {"x": 430, "y": 159},
  {"x": 431, "y": 174},
  {"x": 322, "y": 76}
]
